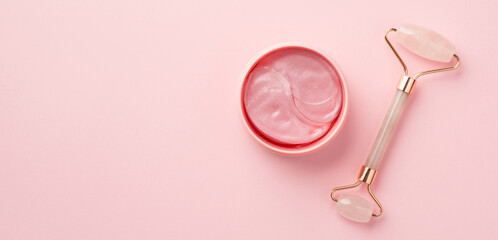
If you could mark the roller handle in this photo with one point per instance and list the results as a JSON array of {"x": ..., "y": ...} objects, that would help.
[{"x": 387, "y": 129}]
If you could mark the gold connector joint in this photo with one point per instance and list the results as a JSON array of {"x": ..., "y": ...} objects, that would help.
[
  {"x": 367, "y": 175},
  {"x": 406, "y": 84}
]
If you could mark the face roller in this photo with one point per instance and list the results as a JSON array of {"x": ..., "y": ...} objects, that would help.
[{"x": 425, "y": 43}]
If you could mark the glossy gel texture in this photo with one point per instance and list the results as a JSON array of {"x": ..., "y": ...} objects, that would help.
[{"x": 292, "y": 96}]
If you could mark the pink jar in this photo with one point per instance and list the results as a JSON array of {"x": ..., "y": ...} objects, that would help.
[{"x": 282, "y": 147}]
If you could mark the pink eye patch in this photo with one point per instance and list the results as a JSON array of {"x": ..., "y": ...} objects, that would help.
[{"x": 292, "y": 96}]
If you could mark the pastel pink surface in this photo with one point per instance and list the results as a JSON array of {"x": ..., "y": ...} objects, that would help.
[
  {"x": 292, "y": 96},
  {"x": 120, "y": 120}
]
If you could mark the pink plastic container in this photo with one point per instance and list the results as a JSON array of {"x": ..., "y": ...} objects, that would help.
[{"x": 284, "y": 148}]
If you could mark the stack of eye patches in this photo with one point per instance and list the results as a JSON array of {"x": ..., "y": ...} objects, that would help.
[{"x": 293, "y": 96}]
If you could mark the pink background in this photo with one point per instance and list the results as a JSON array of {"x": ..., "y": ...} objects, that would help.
[{"x": 119, "y": 120}]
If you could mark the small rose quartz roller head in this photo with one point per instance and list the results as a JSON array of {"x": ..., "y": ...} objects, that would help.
[{"x": 425, "y": 43}]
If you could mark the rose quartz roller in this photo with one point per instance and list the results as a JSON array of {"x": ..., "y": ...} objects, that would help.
[{"x": 425, "y": 43}]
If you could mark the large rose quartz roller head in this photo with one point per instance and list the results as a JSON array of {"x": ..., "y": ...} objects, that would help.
[{"x": 425, "y": 43}]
